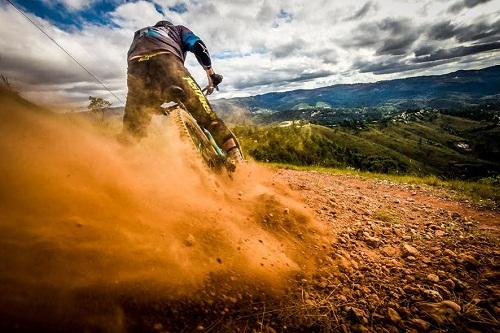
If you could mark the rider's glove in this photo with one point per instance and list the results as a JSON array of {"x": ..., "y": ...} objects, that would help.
[{"x": 216, "y": 79}]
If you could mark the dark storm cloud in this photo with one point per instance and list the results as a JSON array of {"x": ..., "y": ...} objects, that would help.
[
  {"x": 397, "y": 36},
  {"x": 424, "y": 50},
  {"x": 30, "y": 72},
  {"x": 370, "y": 34},
  {"x": 279, "y": 78},
  {"x": 48, "y": 72},
  {"x": 300, "y": 47},
  {"x": 312, "y": 75},
  {"x": 390, "y": 36},
  {"x": 456, "y": 52},
  {"x": 467, "y": 33},
  {"x": 394, "y": 26},
  {"x": 393, "y": 43},
  {"x": 442, "y": 31},
  {"x": 478, "y": 31},
  {"x": 461, "y": 4},
  {"x": 426, "y": 57},
  {"x": 362, "y": 11},
  {"x": 89, "y": 88},
  {"x": 399, "y": 45},
  {"x": 393, "y": 65},
  {"x": 365, "y": 35},
  {"x": 255, "y": 81}
]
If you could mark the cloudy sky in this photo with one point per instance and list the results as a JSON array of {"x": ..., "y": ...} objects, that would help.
[{"x": 258, "y": 45}]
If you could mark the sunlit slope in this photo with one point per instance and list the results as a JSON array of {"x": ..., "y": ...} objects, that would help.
[{"x": 447, "y": 146}]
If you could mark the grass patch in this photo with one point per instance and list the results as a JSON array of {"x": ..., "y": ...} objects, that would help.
[
  {"x": 485, "y": 192},
  {"x": 417, "y": 148},
  {"x": 386, "y": 215}
]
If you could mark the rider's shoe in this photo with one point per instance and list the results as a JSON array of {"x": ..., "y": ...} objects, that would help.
[{"x": 233, "y": 158}]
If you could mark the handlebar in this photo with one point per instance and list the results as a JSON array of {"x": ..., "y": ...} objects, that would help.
[{"x": 205, "y": 90}]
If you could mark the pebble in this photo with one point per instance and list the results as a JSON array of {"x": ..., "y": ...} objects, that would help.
[
  {"x": 449, "y": 284},
  {"x": 358, "y": 314},
  {"x": 441, "y": 312},
  {"x": 190, "y": 240},
  {"x": 409, "y": 250},
  {"x": 432, "y": 295},
  {"x": 439, "y": 233},
  {"x": 433, "y": 278},
  {"x": 393, "y": 315},
  {"x": 468, "y": 260},
  {"x": 420, "y": 323},
  {"x": 373, "y": 241}
]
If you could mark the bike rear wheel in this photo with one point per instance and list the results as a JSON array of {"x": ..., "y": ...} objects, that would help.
[{"x": 191, "y": 132}]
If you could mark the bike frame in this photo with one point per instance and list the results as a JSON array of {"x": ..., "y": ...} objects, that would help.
[{"x": 176, "y": 104}]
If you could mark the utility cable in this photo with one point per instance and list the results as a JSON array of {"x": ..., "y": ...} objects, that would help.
[{"x": 64, "y": 50}]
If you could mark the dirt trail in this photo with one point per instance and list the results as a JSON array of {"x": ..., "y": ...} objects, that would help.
[
  {"x": 402, "y": 258},
  {"x": 341, "y": 198}
]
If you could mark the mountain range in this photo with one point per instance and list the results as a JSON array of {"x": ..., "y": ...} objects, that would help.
[{"x": 456, "y": 89}]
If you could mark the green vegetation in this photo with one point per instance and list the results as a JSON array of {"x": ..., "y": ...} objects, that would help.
[
  {"x": 437, "y": 144},
  {"x": 320, "y": 146},
  {"x": 98, "y": 106},
  {"x": 385, "y": 215}
]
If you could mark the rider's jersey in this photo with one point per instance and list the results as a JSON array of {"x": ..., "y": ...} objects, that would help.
[{"x": 175, "y": 39}]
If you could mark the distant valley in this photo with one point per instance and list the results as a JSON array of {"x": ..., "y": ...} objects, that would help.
[{"x": 370, "y": 101}]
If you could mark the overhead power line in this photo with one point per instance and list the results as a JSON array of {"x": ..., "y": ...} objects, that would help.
[{"x": 65, "y": 51}]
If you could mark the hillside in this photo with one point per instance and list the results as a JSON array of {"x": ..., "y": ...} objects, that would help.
[
  {"x": 420, "y": 143},
  {"x": 10, "y": 98},
  {"x": 457, "y": 89}
]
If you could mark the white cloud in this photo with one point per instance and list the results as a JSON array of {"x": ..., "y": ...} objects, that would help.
[
  {"x": 34, "y": 62},
  {"x": 259, "y": 46},
  {"x": 136, "y": 15},
  {"x": 72, "y": 4}
]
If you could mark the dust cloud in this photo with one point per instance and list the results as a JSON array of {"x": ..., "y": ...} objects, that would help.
[{"x": 86, "y": 222}]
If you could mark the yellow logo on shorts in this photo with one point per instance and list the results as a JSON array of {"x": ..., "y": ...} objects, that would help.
[{"x": 199, "y": 93}]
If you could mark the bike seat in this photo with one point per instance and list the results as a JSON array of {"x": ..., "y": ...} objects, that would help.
[{"x": 176, "y": 93}]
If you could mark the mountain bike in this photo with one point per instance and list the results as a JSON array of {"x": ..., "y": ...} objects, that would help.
[{"x": 199, "y": 138}]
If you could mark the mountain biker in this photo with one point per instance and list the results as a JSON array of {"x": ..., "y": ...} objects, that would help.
[{"x": 156, "y": 63}]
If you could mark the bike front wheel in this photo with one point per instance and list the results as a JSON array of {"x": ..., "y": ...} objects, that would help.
[{"x": 191, "y": 132}]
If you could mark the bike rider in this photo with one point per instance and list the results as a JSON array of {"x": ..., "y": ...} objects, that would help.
[{"x": 156, "y": 63}]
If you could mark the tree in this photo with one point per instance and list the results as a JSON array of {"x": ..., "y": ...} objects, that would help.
[
  {"x": 5, "y": 84},
  {"x": 98, "y": 105}
]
